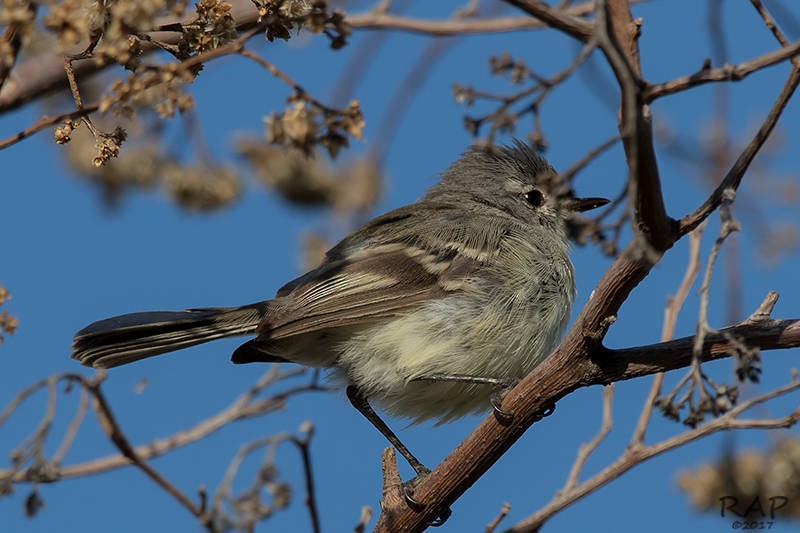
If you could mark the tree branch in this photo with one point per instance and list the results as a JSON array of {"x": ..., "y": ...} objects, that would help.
[
  {"x": 44, "y": 73},
  {"x": 247, "y": 405},
  {"x": 724, "y": 73},
  {"x": 633, "y": 456},
  {"x": 653, "y": 228},
  {"x": 572, "y": 365},
  {"x": 734, "y": 176},
  {"x": 556, "y": 18}
]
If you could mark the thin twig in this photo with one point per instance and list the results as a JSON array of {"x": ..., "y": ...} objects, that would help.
[
  {"x": 275, "y": 71},
  {"x": 652, "y": 227},
  {"x": 632, "y": 457},
  {"x": 303, "y": 444},
  {"x": 773, "y": 27},
  {"x": 674, "y": 305},
  {"x": 720, "y": 74},
  {"x": 504, "y": 510},
  {"x": 734, "y": 176},
  {"x": 72, "y": 429},
  {"x": 363, "y": 519},
  {"x": 245, "y": 406},
  {"x": 569, "y": 174},
  {"x": 47, "y": 121},
  {"x": 115, "y": 434},
  {"x": 588, "y": 448},
  {"x": 562, "y": 20},
  {"x": 727, "y": 227}
]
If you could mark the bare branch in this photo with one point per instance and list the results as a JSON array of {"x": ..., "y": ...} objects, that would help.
[
  {"x": 773, "y": 27},
  {"x": 43, "y": 73},
  {"x": 734, "y": 176},
  {"x": 764, "y": 310},
  {"x": 363, "y": 520},
  {"x": 724, "y": 73},
  {"x": 560, "y": 19},
  {"x": 247, "y": 405},
  {"x": 569, "y": 174},
  {"x": 504, "y": 510},
  {"x": 72, "y": 429},
  {"x": 632, "y": 457},
  {"x": 303, "y": 444},
  {"x": 111, "y": 428},
  {"x": 653, "y": 228},
  {"x": 588, "y": 448},
  {"x": 674, "y": 305}
]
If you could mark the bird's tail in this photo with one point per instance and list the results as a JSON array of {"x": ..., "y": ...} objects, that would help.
[{"x": 127, "y": 338}]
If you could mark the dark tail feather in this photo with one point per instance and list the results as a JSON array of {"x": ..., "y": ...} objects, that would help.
[{"x": 128, "y": 338}]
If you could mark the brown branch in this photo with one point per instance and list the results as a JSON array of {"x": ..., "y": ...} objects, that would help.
[
  {"x": 629, "y": 363},
  {"x": 363, "y": 520},
  {"x": 303, "y": 444},
  {"x": 450, "y": 27},
  {"x": 47, "y": 121},
  {"x": 111, "y": 428},
  {"x": 504, "y": 510},
  {"x": 632, "y": 457},
  {"x": 585, "y": 450},
  {"x": 724, "y": 73},
  {"x": 562, "y": 20},
  {"x": 674, "y": 305},
  {"x": 769, "y": 22},
  {"x": 43, "y": 73},
  {"x": 578, "y": 362},
  {"x": 381, "y": 20},
  {"x": 652, "y": 227},
  {"x": 734, "y": 176},
  {"x": 247, "y": 405}
]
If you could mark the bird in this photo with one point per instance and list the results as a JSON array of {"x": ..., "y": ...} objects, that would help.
[{"x": 425, "y": 311}]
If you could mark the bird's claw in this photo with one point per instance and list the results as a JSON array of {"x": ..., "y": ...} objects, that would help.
[
  {"x": 496, "y": 398},
  {"x": 408, "y": 495}
]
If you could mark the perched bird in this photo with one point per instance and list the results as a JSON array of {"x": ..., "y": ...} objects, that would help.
[{"x": 425, "y": 310}]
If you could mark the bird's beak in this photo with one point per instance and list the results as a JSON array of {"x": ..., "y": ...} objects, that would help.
[{"x": 579, "y": 205}]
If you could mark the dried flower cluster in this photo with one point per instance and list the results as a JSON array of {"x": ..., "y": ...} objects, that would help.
[
  {"x": 700, "y": 396},
  {"x": 305, "y": 124},
  {"x": 72, "y": 20},
  {"x": 122, "y": 31},
  {"x": 147, "y": 165},
  {"x": 517, "y": 70},
  {"x": 502, "y": 119},
  {"x": 309, "y": 181},
  {"x": 8, "y": 323},
  {"x": 284, "y": 16},
  {"x": 751, "y": 484},
  {"x": 201, "y": 187},
  {"x": 213, "y": 27}
]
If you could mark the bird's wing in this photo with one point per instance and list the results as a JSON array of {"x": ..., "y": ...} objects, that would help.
[
  {"x": 383, "y": 270},
  {"x": 374, "y": 284}
]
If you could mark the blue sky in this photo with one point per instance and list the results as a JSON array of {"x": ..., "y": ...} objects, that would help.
[{"x": 68, "y": 261}]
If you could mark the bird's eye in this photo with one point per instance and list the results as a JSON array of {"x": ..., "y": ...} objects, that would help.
[{"x": 534, "y": 197}]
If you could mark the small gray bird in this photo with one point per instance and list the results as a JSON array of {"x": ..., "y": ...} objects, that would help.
[{"x": 422, "y": 310}]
